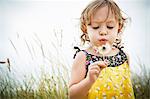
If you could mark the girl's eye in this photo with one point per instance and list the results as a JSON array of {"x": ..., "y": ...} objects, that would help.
[
  {"x": 95, "y": 27},
  {"x": 110, "y": 27}
]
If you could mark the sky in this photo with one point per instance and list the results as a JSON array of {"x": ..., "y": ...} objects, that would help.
[{"x": 22, "y": 20}]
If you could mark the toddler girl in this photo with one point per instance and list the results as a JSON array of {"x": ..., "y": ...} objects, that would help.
[{"x": 102, "y": 70}]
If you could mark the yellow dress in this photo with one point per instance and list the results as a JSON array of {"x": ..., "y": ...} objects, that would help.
[{"x": 113, "y": 83}]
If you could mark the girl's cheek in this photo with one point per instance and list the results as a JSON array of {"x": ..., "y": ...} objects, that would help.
[{"x": 111, "y": 38}]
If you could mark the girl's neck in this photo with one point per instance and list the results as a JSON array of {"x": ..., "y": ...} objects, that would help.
[{"x": 112, "y": 52}]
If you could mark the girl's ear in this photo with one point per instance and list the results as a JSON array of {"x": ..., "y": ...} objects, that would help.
[{"x": 120, "y": 27}]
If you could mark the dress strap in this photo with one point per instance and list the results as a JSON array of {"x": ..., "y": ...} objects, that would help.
[
  {"x": 77, "y": 50},
  {"x": 85, "y": 52}
]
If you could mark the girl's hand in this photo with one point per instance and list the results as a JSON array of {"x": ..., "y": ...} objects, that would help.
[{"x": 95, "y": 69}]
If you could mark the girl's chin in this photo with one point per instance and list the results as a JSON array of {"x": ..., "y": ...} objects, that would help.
[{"x": 104, "y": 43}]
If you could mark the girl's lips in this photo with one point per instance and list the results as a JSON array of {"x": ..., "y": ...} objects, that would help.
[{"x": 103, "y": 41}]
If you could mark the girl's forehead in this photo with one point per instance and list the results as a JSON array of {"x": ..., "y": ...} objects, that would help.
[{"x": 103, "y": 14}]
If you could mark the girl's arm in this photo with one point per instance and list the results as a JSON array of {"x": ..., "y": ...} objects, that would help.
[{"x": 79, "y": 86}]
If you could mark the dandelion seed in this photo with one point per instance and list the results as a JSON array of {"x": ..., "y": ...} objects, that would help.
[{"x": 103, "y": 50}]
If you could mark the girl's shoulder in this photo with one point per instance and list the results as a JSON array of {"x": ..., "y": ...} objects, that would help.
[{"x": 79, "y": 54}]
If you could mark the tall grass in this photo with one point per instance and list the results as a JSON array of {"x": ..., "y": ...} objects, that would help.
[
  {"x": 48, "y": 87},
  {"x": 45, "y": 85},
  {"x": 141, "y": 82}
]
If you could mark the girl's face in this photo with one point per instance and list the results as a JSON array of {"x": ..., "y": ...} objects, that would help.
[{"x": 103, "y": 28}]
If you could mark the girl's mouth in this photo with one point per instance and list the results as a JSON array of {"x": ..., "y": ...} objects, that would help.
[{"x": 103, "y": 41}]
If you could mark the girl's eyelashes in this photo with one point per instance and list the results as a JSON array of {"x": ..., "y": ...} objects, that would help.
[
  {"x": 96, "y": 27},
  {"x": 110, "y": 27}
]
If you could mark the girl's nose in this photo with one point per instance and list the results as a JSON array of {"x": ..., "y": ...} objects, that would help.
[{"x": 103, "y": 32}]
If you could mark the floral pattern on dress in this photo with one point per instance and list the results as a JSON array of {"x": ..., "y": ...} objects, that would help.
[{"x": 114, "y": 81}]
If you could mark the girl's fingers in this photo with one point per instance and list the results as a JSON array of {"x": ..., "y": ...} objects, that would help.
[
  {"x": 94, "y": 67},
  {"x": 101, "y": 64},
  {"x": 94, "y": 72}
]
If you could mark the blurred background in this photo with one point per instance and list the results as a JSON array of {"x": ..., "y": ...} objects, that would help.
[{"x": 24, "y": 23}]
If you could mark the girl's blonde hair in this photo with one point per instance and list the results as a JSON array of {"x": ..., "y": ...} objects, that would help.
[{"x": 90, "y": 10}]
